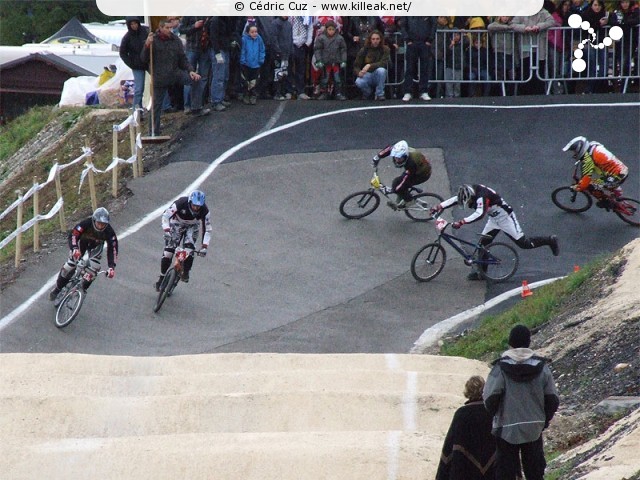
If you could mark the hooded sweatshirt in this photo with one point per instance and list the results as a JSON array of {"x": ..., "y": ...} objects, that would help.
[
  {"x": 132, "y": 45},
  {"x": 521, "y": 395}
]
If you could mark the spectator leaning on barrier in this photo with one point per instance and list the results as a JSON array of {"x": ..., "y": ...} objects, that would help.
[
  {"x": 419, "y": 34},
  {"x": 469, "y": 450},
  {"x": 533, "y": 30},
  {"x": 521, "y": 395},
  {"x": 131, "y": 47},
  {"x": 597, "y": 66},
  {"x": 505, "y": 49},
  {"x": 370, "y": 66},
  {"x": 626, "y": 16}
]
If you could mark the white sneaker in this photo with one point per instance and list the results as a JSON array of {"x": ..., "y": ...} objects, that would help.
[
  {"x": 407, "y": 97},
  {"x": 425, "y": 96}
]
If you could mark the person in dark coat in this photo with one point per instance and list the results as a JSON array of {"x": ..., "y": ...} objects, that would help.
[
  {"x": 131, "y": 47},
  {"x": 170, "y": 66},
  {"x": 469, "y": 450}
]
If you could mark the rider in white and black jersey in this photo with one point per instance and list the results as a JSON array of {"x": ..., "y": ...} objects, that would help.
[
  {"x": 182, "y": 221},
  {"x": 487, "y": 201}
]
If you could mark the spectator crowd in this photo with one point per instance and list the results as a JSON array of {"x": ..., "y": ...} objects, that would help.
[{"x": 378, "y": 58}]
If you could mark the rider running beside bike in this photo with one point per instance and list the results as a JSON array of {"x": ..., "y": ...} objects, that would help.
[
  {"x": 600, "y": 169},
  {"x": 182, "y": 220},
  {"x": 88, "y": 235},
  {"x": 417, "y": 170},
  {"x": 487, "y": 201}
]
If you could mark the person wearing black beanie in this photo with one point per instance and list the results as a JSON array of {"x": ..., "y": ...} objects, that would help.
[{"x": 521, "y": 395}]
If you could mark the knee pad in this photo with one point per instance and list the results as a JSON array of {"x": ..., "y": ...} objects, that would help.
[
  {"x": 67, "y": 269},
  {"x": 168, "y": 252}
]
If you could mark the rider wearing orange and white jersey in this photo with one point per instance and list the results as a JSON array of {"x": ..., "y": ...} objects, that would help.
[
  {"x": 182, "y": 220},
  {"x": 599, "y": 168}
]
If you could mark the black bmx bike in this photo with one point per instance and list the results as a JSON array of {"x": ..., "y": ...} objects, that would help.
[
  {"x": 495, "y": 262},
  {"x": 71, "y": 297},
  {"x": 365, "y": 202},
  {"x": 572, "y": 201},
  {"x": 172, "y": 277}
]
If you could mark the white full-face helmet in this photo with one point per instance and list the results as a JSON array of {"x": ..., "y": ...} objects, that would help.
[
  {"x": 465, "y": 195},
  {"x": 100, "y": 218},
  {"x": 400, "y": 153},
  {"x": 578, "y": 146}
]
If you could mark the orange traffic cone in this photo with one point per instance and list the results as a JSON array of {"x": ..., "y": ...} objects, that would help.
[
  {"x": 576, "y": 268},
  {"x": 526, "y": 291}
]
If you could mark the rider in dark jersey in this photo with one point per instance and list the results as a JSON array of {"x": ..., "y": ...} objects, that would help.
[
  {"x": 417, "y": 170},
  {"x": 89, "y": 235},
  {"x": 486, "y": 201}
]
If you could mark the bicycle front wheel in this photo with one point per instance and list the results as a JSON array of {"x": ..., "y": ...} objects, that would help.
[
  {"x": 69, "y": 307},
  {"x": 628, "y": 210},
  {"x": 421, "y": 210},
  {"x": 571, "y": 201},
  {"x": 359, "y": 204},
  {"x": 165, "y": 289},
  {"x": 498, "y": 262},
  {"x": 428, "y": 262}
]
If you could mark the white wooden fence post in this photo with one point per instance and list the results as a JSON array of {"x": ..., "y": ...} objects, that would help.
[
  {"x": 63, "y": 222},
  {"x": 18, "y": 227},
  {"x": 36, "y": 212},
  {"x": 114, "y": 173}
]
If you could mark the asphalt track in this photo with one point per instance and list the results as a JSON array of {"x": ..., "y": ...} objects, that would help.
[{"x": 286, "y": 272}]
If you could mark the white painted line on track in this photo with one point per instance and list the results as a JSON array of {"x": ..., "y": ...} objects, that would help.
[
  {"x": 393, "y": 451},
  {"x": 432, "y": 334},
  {"x": 15, "y": 313}
]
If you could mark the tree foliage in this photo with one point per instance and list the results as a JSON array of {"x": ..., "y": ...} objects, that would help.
[{"x": 32, "y": 21}]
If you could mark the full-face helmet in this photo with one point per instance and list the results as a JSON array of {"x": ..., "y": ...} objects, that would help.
[
  {"x": 578, "y": 146},
  {"x": 100, "y": 218},
  {"x": 196, "y": 200},
  {"x": 400, "y": 153},
  {"x": 465, "y": 195}
]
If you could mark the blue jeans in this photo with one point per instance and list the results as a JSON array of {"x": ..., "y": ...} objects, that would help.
[
  {"x": 193, "y": 96},
  {"x": 372, "y": 81},
  {"x": 138, "y": 87},
  {"x": 219, "y": 77}
]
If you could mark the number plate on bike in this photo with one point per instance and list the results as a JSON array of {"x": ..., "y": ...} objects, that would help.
[{"x": 441, "y": 223}]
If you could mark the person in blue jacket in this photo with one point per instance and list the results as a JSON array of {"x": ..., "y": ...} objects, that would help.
[{"x": 251, "y": 60}]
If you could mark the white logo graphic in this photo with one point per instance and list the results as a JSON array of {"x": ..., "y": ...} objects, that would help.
[{"x": 575, "y": 21}]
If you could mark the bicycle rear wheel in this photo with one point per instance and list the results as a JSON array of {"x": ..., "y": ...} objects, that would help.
[
  {"x": 69, "y": 307},
  {"x": 628, "y": 210},
  {"x": 359, "y": 204},
  {"x": 498, "y": 262},
  {"x": 166, "y": 287},
  {"x": 428, "y": 262},
  {"x": 421, "y": 210},
  {"x": 571, "y": 201}
]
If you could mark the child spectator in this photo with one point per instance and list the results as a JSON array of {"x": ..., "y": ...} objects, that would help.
[
  {"x": 331, "y": 59},
  {"x": 318, "y": 29},
  {"x": 251, "y": 59},
  {"x": 478, "y": 57}
]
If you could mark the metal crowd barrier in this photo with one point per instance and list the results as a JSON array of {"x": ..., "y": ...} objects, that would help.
[{"x": 483, "y": 57}]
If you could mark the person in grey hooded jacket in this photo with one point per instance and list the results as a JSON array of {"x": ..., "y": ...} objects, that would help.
[{"x": 521, "y": 395}]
